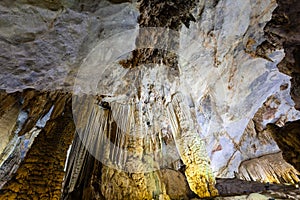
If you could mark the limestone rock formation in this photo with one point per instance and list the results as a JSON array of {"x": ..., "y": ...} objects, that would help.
[
  {"x": 172, "y": 179},
  {"x": 42, "y": 42},
  {"x": 287, "y": 138},
  {"x": 283, "y": 30},
  {"x": 268, "y": 169},
  {"x": 41, "y": 172},
  {"x": 148, "y": 99}
]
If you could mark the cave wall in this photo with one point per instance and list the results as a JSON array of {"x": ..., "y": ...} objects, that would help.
[
  {"x": 287, "y": 138},
  {"x": 41, "y": 172},
  {"x": 226, "y": 69},
  {"x": 283, "y": 30}
]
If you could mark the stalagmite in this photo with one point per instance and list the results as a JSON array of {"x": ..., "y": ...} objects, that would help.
[
  {"x": 40, "y": 174},
  {"x": 191, "y": 148},
  {"x": 137, "y": 138},
  {"x": 160, "y": 89}
]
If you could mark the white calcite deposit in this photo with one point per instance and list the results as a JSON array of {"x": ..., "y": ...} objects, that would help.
[{"x": 224, "y": 81}]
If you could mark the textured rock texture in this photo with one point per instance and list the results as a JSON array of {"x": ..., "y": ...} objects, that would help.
[
  {"x": 137, "y": 138},
  {"x": 200, "y": 104},
  {"x": 43, "y": 42},
  {"x": 284, "y": 30},
  {"x": 94, "y": 180},
  {"x": 172, "y": 179},
  {"x": 41, "y": 173},
  {"x": 192, "y": 150},
  {"x": 268, "y": 169},
  {"x": 227, "y": 93},
  {"x": 287, "y": 138},
  {"x": 133, "y": 159},
  {"x": 9, "y": 114},
  {"x": 240, "y": 190}
]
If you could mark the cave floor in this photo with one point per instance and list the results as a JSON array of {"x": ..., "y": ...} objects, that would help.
[{"x": 235, "y": 189}]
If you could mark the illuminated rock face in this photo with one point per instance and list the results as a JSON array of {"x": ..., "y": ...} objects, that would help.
[
  {"x": 268, "y": 169},
  {"x": 192, "y": 150},
  {"x": 221, "y": 86},
  {"x": 132, "y": 150},
  {"x": 41, "y": 171},
  {"x": 118, "y": 185}
]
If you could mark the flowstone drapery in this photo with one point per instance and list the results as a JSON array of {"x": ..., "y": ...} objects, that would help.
[
  {"x": 183, "y": 85},
  {"x": 135, "y": 116}
]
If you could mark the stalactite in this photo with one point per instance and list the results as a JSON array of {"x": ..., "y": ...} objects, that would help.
[
  {"x": 269, "y": 168},
  {"x": 136, "y": 138}
]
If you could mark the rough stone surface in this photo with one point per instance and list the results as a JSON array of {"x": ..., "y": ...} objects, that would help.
[
  {"x": 287, "y": 138},
  {"x": 217, "y": 39},
  {"x": 121, "y": 185},
  {"x": 41, "y": 173},
  {"x": 9, "y": 112},
  {"x": 240, "y": 189},
  {"x": 268, "y": 169},
  {"x": 284, "y": 30},
  {"x": 101, "y": 182},
  {"x": 42, "y": 42},
  {"x": 227, "y": 71},
  {"x": 192, "y": 150},
  {"x": 172, "y": 179},
  {"x": 135, "y": 156},
  {"x": 225, "y": 94}
]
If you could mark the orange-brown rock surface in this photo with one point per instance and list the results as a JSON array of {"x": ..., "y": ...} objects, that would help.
[
  {"x": 288, "y": 140},
  {"x": 41, "y": 173}
]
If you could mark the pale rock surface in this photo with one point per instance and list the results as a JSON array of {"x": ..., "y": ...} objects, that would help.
[
  {"x": 232, "y": 81},
  {"x": 224, "y": 80},
  {"x": 41, "y": 47}
]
